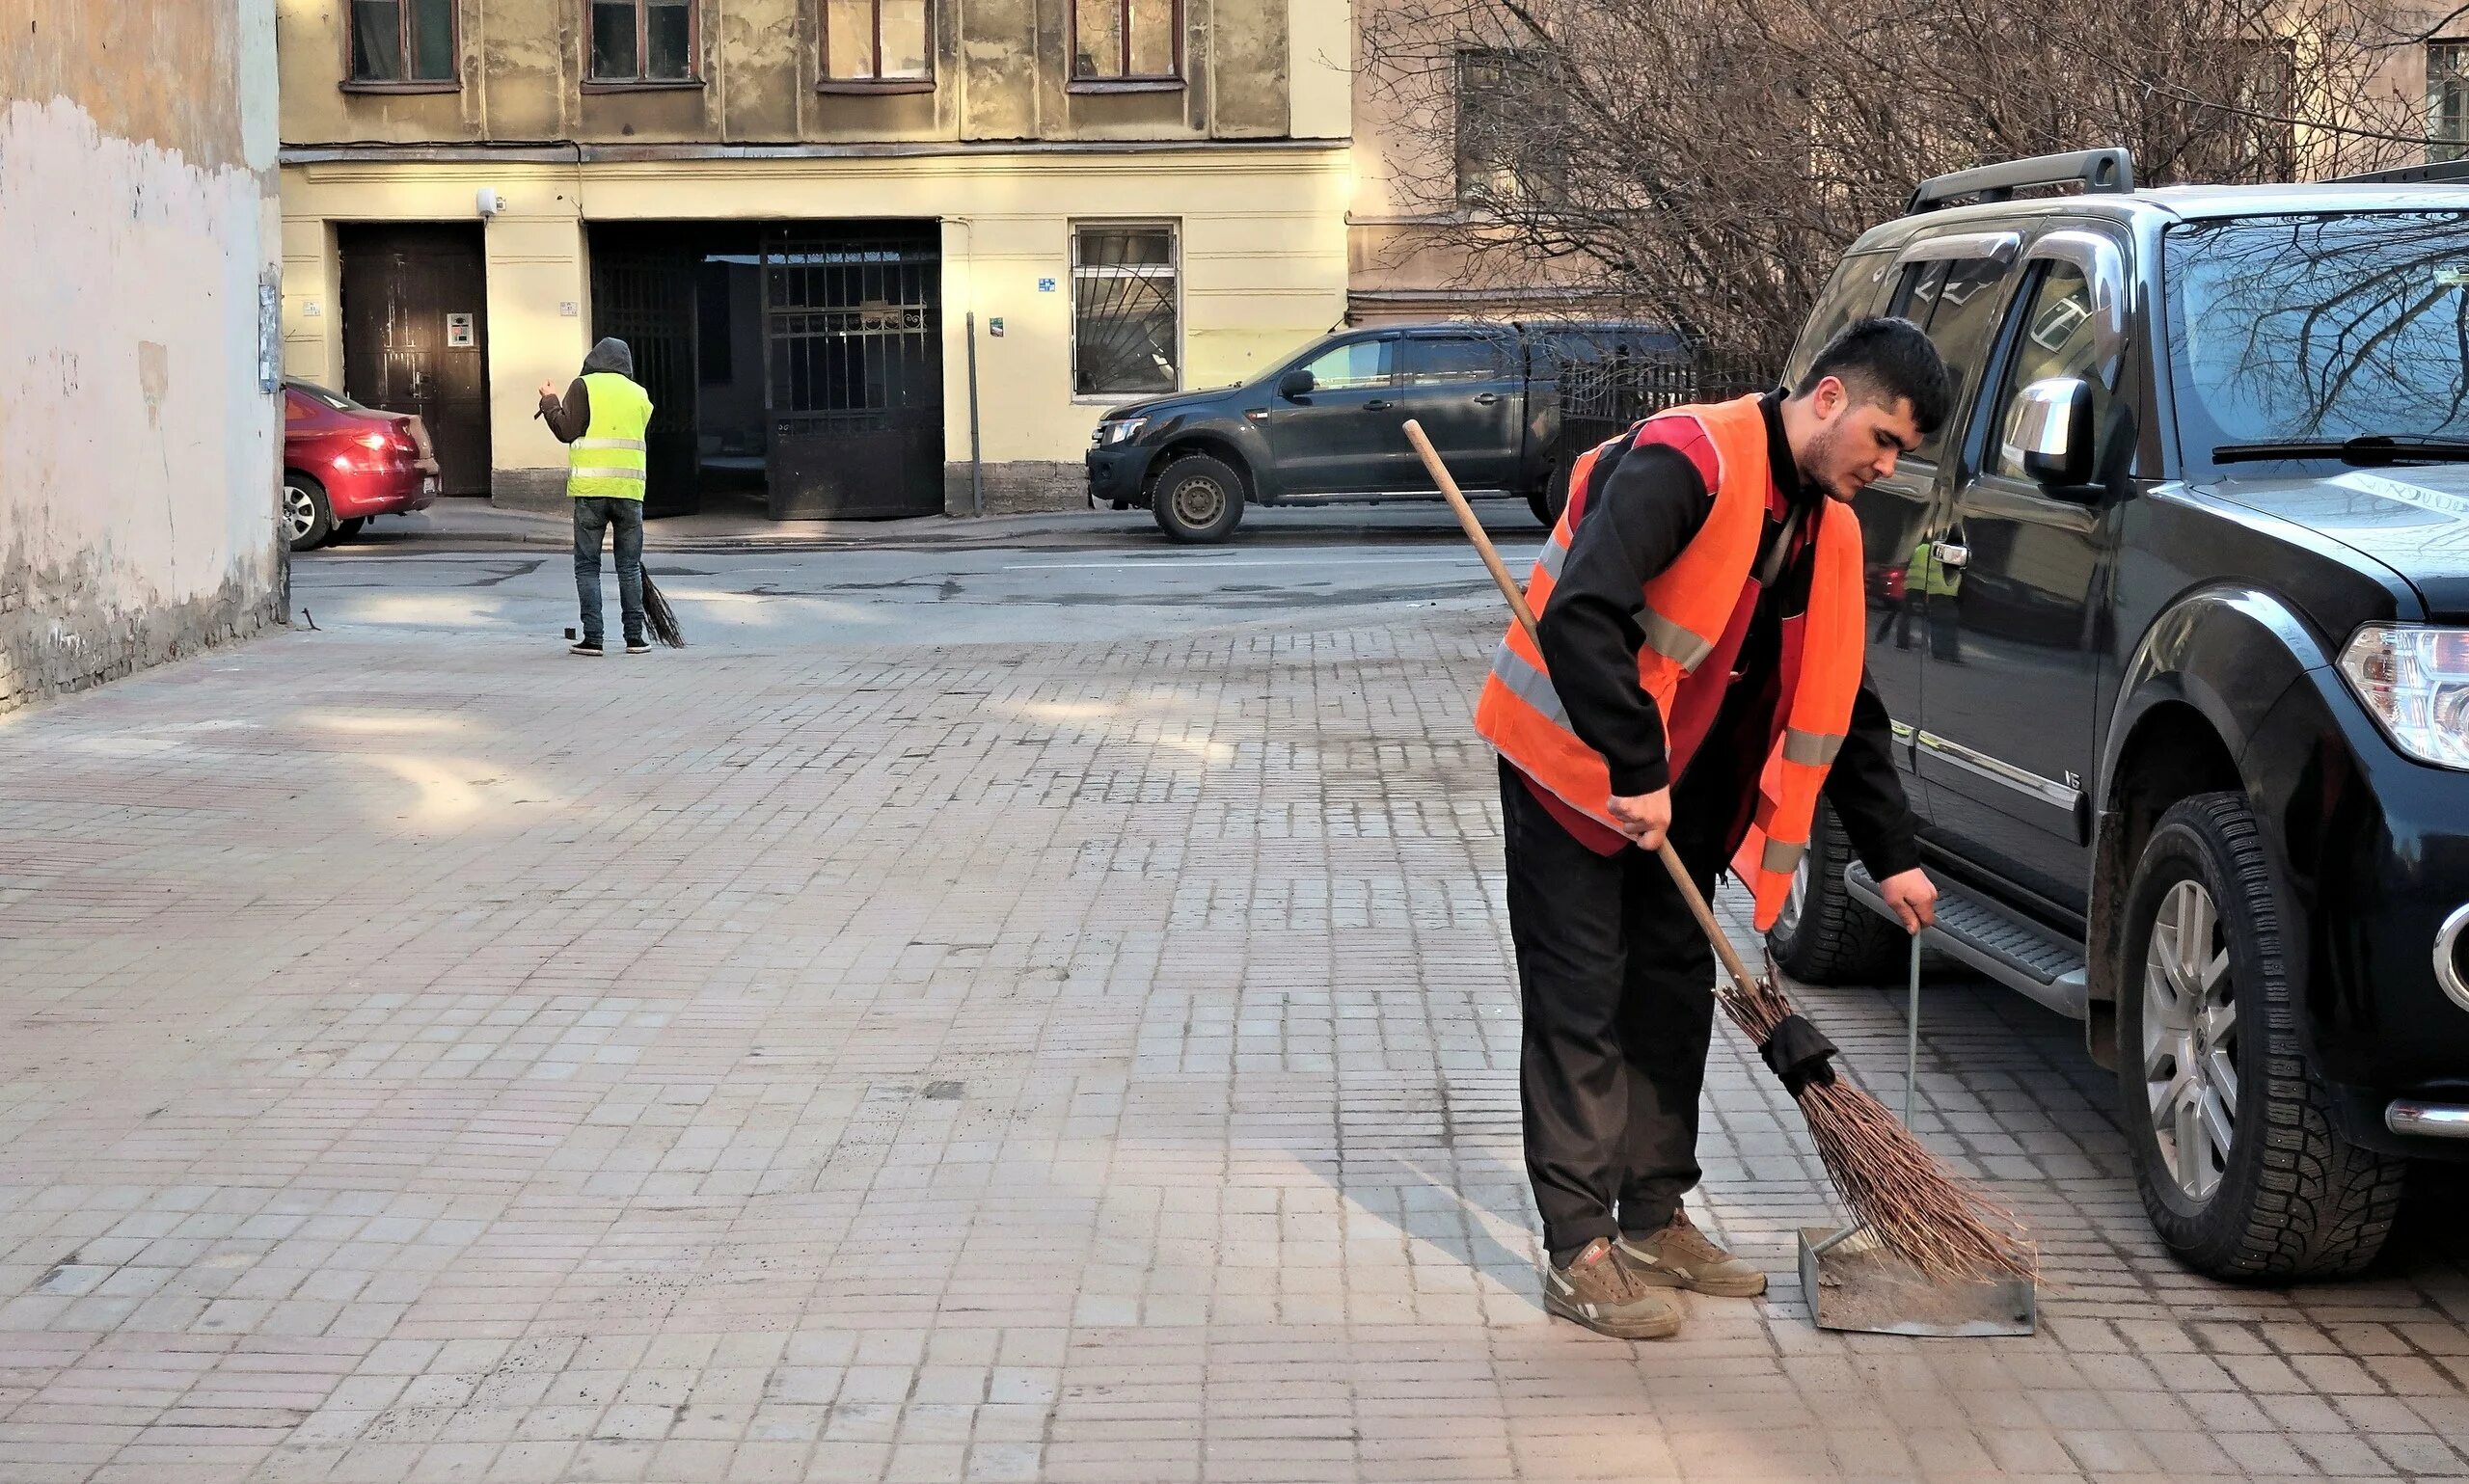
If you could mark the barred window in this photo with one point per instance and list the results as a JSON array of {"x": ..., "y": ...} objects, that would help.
[
  {"x": 1509, "y": 147},
  {"x": 1127, "y": 330},
  {"x": 402, "y": 42},
  {"x": 877, "y": 41}
]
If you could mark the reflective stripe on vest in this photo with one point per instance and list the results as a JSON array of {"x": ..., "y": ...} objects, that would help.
[
  {"x": 1687, "y": 606},
  {"x": 610, "y": 460}
]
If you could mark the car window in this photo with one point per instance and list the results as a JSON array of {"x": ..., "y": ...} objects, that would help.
[
  {"x": 1956, "y": 300},
  {"x": 2057, "y": 338},
  {"x": 1432, "y": 360},
  {"x": 295, "y": 407},
  {"x": 1355, "y": 364},
  {"x": 334, "y": 400},
  {"x": 1851, "y": 294}
]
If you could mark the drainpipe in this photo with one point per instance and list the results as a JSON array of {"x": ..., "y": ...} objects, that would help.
[{"x": 976, "y": 453}]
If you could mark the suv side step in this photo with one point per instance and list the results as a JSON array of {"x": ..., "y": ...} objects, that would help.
[{"x": 2022, "y": 954}]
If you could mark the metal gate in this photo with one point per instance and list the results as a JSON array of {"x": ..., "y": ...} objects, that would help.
[
  {"x": 644, "y": 295},
  {"x": 853, "y": 372}
]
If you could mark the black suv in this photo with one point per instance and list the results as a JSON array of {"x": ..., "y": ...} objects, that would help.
[
  {"x": 1323, "y": 426},
  {"x": 2173, "y": 619}
]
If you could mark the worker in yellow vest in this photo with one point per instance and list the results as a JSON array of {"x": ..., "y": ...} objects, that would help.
[
  {"x": 1700, "y": 673},
  {"x": 601, "y": 420}
]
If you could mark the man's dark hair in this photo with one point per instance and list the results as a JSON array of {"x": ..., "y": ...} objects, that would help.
[{"x": 1888, "y": 360}]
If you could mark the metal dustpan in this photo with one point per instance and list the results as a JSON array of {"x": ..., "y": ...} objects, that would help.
[{"x": 1853, "y": 1282}]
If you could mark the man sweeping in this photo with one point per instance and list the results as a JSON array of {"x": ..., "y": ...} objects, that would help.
[
  {"x": 1699, "y": 673},
  {"x": 601, "y": 420}
]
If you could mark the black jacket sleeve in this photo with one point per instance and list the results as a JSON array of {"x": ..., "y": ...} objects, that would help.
[
  {"x": 1867, "y": 794},
  {"x": 568, "y": 418},
  {"x": 1634, "y": 524}
]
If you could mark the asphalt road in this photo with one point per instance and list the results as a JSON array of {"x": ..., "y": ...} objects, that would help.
[{"x": 1103, "y": 580}]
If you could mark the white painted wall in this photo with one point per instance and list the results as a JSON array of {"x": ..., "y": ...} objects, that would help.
[{"x": 137, "y": 457}]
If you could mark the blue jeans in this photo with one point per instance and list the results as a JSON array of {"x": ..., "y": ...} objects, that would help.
[{"x": 593, "y": 515}]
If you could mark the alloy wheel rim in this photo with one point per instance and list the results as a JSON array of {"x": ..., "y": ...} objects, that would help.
[
  {"x": 1198, "y": 501},
  {"x": 2190, "y": 1041},
  {"x": 1795, "y": 902},
  {"x": 299, "y": 511}
]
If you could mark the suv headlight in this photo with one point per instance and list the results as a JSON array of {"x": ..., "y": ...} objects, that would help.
[
  {"x": 1110, "y": 433},
  {"x": 2415, "y": 679}
]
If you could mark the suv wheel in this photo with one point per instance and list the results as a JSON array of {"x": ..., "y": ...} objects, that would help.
[
  {"x": 1825, "y": 935},
  {"x": 1553, "y": 498},
  {"x": 1199, "y": 499},
  {"x": 2240, "y": 1159},
  {"x": 307, "y": 520}
]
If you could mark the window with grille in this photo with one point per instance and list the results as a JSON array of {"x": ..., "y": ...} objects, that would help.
[
  {"x": 1126, "y": 322},
  {"x": 642, "y": 41},
  {"x": 402, "y": 42},
  {"x": 1126, "y": 40},
  {"x": 877, "y": 42},
  {"x": 2447, "y": 102}
]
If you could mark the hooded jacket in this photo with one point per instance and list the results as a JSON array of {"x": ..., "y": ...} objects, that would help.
[{"x": 569, "y": 416}]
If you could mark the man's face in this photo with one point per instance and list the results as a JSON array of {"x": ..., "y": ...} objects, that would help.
[{"x": 1858, "y": 440}]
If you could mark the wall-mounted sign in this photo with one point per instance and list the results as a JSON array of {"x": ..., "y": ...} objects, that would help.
[
  {"x": 568, "y": 309},
  {"x": 994, "y": 327},
  {"x": 1046, "y": 286},
  {"x": 459, "y": 332},
  {"x": 310, "y": 308}
]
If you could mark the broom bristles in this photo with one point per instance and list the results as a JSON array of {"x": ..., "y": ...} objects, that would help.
[
  {"x": 1943, "y": 1225},
  {"x": 659, "y": 616}
]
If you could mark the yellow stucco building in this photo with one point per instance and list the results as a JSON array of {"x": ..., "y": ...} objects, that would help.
[{"x": 862, "y": 249}]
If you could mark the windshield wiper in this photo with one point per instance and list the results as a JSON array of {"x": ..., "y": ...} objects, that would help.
[{"x": 2370, "y": 448}]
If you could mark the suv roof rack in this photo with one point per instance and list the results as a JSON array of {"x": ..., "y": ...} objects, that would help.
[
  {"x": 2440, "y": 173},
  {"x": 2105, "y": 171}
]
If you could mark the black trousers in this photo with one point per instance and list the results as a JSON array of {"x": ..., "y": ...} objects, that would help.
[{"x": 1617, "y": 984}]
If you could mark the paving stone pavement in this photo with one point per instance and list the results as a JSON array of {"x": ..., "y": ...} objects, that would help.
[{"x": 1054, "y": 1061}]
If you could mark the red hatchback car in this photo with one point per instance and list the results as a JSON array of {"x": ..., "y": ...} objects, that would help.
[{"x": 343, "y": 463}]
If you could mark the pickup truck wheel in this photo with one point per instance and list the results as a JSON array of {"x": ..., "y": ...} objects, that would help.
[
  {"x": 2237, "y": 1152},
  {"x": 1825, "y": 936},
  {"x": 1199, "y": 499},
  {"x": 1554, "y": 498}
]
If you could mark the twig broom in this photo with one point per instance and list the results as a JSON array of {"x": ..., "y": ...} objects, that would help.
[
  {"x": 1945, "y": 1228},
  {"x": 657, "y": 613}
]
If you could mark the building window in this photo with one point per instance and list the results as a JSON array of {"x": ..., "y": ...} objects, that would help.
[
  {"x": 876, "y": 41},
  {"x": 1126, "y": 40},
  {"x": 642, "y": 41},
  {"x": 402, "y": 40},
  {"x": 2447, "y": 102},
  {"x": 1126, "y": 333},
  {"x": 1506, "y": 145}
]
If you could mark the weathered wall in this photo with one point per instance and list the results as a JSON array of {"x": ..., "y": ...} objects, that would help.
[
  {"x": 1003, "y": 75},
  {"x": 138, "y": 457}
]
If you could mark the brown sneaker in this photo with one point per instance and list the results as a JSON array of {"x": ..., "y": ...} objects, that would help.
[
  {"x": 1600, "y": 1291},
  {"x": 1681, "y": 1256}
]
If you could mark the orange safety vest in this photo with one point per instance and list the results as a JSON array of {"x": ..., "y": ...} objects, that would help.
[{"x": 1687, "y": 605}]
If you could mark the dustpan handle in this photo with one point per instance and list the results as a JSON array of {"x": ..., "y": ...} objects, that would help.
[{"x": 1516, "y": 596}]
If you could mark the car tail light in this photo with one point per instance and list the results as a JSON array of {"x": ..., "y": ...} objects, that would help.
[{"x": 378, "y": 441}]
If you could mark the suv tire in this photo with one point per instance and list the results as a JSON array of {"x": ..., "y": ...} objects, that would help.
[
  {"x": 1198, "y": 498},
  {"x": 1548, "y": 503},
  {"x": 2290, "y": 1197},
  {"x": 1826, "y": 936}
]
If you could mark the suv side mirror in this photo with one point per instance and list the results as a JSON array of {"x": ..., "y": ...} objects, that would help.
[
  {"x": 2053, "y": 429},
  {"x": 1295, "y": 384}
]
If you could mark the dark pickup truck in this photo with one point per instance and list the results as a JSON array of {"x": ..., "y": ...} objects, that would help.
[
  {"x": 1323, "y": 425},
  {"x": 2173, "y": 620}
]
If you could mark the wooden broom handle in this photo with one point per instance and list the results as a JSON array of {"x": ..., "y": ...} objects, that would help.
[{"x": 1516, "y": 597}]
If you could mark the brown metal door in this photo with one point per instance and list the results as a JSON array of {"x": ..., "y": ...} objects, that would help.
[
  {"x": 644, "y": 293},
  {"x": 416, "y": 338}
]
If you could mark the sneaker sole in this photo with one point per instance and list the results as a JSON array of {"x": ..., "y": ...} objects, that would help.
[{"x": 1637, "y": 1328}]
